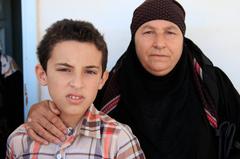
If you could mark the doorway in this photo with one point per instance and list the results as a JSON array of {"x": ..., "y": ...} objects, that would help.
[
  {"x": 11, "y": 79},
  {"x": 11, "y": 30}
]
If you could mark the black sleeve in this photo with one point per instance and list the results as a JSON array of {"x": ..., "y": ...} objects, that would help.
[
  {"x": 229, "y": 98},
  {"x": 229, "y": 110}
]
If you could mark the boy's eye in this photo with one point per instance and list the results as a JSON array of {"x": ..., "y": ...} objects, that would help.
[
  {"x": 91, "y": 72},
  {"x": 63, "y": 70}
]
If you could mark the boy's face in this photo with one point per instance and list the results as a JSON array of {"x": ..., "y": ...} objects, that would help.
[{"x": 74, "y": 76}]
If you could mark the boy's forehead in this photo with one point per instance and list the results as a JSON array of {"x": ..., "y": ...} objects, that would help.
[{"x": 76, "y": 53}]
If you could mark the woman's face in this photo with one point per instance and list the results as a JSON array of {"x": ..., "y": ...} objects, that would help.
[{"x": 159, "y": 45}]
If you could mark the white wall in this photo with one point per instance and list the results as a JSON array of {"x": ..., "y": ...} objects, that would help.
[
  {"x": 111, "y": 17},
  {"x": 213, "y": 25}
]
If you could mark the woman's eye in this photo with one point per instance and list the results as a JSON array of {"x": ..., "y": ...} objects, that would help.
[
  {"x": 171, "y": 33},
  {"x": 148, "y": 32}
]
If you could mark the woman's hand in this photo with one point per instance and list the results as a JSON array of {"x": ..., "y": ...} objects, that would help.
[{"x": 44, "y": 125}]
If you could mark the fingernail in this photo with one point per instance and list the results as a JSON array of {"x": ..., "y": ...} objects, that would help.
[
  {"x": 65, "y": 131},
  {"x": 45, "y": 142},
  {"x": 29, "y": 119},
  {"x": 63, "y": 138},
  {"x": 57, "y": 141}
]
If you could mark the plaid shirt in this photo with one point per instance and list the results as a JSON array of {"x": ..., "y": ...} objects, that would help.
[{"x": 96, "y": 136}]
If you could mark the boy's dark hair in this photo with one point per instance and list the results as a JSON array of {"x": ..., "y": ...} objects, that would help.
[{"x": 68, "y": 29}]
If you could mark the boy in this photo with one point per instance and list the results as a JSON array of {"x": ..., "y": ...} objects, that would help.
[{"x": 73, "y": 57}]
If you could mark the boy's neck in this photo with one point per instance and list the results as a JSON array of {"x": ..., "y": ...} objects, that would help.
[{"x": 71, "y": 120}]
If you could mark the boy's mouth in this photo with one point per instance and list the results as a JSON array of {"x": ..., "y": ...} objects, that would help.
[{"x": 75, "y": 99}]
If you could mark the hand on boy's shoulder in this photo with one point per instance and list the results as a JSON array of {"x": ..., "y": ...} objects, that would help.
[{"x": 43, "y": 121}]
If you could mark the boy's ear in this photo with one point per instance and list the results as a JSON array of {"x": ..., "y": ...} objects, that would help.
[
  {"x": 103, "y": 79},
  {"x": 41, "y": 75}
]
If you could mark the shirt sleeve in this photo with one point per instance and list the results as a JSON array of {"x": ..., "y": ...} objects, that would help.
[
  {"x": 10, "y": 151},
  {"x": 128, "y": 145},
  {"x": 14, "y": 143}
]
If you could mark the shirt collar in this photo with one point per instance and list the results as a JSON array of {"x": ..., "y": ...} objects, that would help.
[{"x": 90, "y": 125}]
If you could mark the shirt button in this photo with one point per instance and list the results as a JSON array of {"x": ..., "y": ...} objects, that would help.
[
  {"x": 58, "y": 156},
  {"x": 70, "y": 131}
]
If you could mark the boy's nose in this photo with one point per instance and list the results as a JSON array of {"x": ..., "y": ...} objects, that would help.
[{"x": 76, "y": 82}]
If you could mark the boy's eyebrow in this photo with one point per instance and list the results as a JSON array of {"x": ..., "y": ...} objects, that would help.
[
  {"x": 93, "y": 66},
  {"x": 68, "y": 65},
  {"x": 64, "y": 64}
]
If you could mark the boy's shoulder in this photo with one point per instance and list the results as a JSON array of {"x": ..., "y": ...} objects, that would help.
[
  {"x": 18, "y": 133},
  {"x": 115, "y": 135},
  {"x": 99, "y": 125},
  {"x": 107, "y": 122},
  {"x": 18, "y": 139}
]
